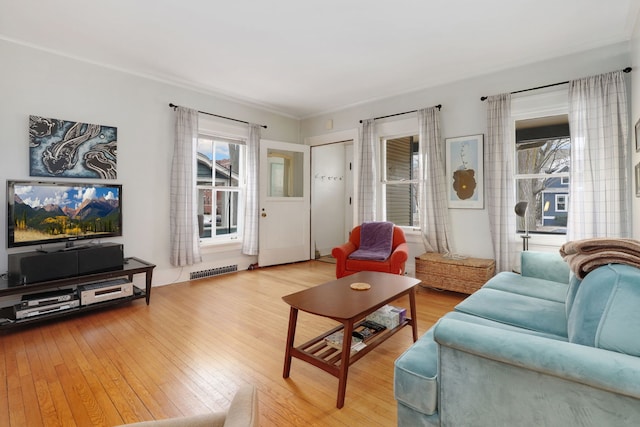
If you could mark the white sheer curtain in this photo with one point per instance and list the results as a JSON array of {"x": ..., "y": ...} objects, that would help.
[
  {"x": 183, "y": 222},
  {"x": 367, "y": 179},
  {"x": 598, "y": 182},
  {"x": 499, "y": 176},
  {"x": 250, "y": 234},
  {"x": 434, "y": 215}
]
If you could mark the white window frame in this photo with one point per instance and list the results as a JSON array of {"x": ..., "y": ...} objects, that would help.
[
  {"x": 551, "y": 102},
  {"x": 385, "y": 182},
  {"x": 211, "y": 128},
  {"x": 386, "y": 131}
]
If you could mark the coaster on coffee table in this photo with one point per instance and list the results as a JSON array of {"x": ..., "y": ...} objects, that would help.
[{"x": 360, "y": 286}]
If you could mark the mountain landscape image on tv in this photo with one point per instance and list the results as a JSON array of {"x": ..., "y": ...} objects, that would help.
[{"x": 46, "y": 212}]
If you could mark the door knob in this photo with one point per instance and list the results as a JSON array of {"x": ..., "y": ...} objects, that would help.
[{"x": 264, "y": 214}]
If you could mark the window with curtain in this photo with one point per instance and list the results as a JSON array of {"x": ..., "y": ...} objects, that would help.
[
  {"x": 400, "y": 177},
  {"x": 220, "y": 186},
  {"x": 543, "y": 156}
]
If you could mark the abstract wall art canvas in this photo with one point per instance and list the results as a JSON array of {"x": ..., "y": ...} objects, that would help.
[
  {"x": 465, "y": 172},
  {"x": 61, "y": 148}
]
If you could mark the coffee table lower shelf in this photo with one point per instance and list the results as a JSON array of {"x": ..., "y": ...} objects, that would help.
[{"x": 318, "y": 353}]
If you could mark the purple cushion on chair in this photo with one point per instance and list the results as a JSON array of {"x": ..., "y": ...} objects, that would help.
[{"x": 376, "y": 241}]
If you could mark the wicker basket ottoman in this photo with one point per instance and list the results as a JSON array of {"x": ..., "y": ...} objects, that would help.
[{"x": 459, "y": 275}]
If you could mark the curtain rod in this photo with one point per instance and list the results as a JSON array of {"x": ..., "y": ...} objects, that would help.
[
  {"x": 439, "y": 106},
  {"x": 174, "y": 106},
  {"x": 484, "y": 98}
]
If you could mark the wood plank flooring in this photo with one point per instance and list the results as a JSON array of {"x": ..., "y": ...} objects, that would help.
[{"x": 190, "y": 350}]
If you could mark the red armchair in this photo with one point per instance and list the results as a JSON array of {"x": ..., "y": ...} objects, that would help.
[{"x": 394, "y": 264}]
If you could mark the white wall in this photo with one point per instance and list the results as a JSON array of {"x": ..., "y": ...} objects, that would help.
[
  {"x": 464, "y": 114},
  {"x": 34, "y": 82}
]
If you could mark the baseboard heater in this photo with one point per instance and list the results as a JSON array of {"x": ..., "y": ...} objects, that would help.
[{"x": 213, "y": 272}]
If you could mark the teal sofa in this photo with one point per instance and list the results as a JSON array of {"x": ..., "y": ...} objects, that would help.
[{"x": 540, "y": 348}]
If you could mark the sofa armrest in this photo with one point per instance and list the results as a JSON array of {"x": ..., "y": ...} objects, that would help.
[
  {"x": 594, "y": 367},
  {"x": 544, "y": 265},
  {"x": 243, "y": 412},
  {"x": 398, "y": 258},
  {"x": 341, "y": 253}
]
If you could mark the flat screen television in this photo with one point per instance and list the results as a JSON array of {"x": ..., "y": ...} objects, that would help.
[{"x": 53, "y": 212}]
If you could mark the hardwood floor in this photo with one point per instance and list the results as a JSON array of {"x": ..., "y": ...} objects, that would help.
[{"x": 189, "y": 351}]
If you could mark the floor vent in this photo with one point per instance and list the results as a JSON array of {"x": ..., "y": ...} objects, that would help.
[{"x": 213, "y": 272}]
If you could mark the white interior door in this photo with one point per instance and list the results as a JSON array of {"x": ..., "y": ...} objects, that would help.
[
  {"x": 331, "y": 195},
  {"x": 284, "y": 234}
]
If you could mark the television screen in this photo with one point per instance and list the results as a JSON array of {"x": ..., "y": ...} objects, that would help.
[{"x": 50, "y": 212}]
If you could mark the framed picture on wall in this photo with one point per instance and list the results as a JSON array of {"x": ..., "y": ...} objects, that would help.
[
  {"x": 465, "y": 172},
  {"x": 637, "y": 135},
  {"x": 637, "y": 179},
  {"x": 62, "y": 148}
]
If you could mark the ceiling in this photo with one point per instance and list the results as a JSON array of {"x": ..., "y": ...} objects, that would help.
[{"x": 306, "y": 57}]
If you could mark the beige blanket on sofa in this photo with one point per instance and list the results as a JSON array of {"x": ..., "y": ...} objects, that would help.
[{"x": 586, "y": 255}]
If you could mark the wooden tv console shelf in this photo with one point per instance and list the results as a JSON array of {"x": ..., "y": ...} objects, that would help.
[{"x": 131, "y": 267}]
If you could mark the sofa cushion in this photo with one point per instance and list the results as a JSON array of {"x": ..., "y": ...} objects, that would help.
[
  {"x": 574, "y": 284},
  {"x": 525, "y": 312},
  {"x": 529, "y": 286},
  {"x": 456, "y": 315},
  {"x": 545, "y": 265},
  {"x": 606, "y": 310}
]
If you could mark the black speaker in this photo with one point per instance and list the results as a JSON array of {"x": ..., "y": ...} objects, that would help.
[
  {"x": 32, "y": 267},
  {"x": 103, "y": 257}
]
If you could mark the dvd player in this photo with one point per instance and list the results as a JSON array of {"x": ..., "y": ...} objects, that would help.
[
  {"x": 24, "y": 313},
  {"x": 106, "y": 290},
  {"x": 45, "y": 298}
]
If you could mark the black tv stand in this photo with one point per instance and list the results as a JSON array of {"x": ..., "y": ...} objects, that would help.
[
  {"x": 129, "y": 268},
  {"x": 69, "y": 247}
]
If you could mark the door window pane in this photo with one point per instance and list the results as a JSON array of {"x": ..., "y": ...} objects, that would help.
[{"x": 285, "y": 173}]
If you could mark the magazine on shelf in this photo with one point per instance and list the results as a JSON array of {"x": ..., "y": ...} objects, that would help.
[
  {"x": 367, "y": 329},
  {"x": 335, "y": 340}
]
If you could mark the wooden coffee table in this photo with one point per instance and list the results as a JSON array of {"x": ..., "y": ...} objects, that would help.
[{"x": 336, "y": 300}]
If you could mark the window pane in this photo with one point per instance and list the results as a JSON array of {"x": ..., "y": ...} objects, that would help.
[
  {"x": 227, "y": 157},
  {"x": 543, "y": 215},
  {"x": 205, "y": 161},
  {"x": 543, "y": 156},
  {"x": 226, "y": 212},
  {"x": 402, "y": 158},
  {"x": 402, "y": 204},
  {"x": 204, "y": 212}
]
